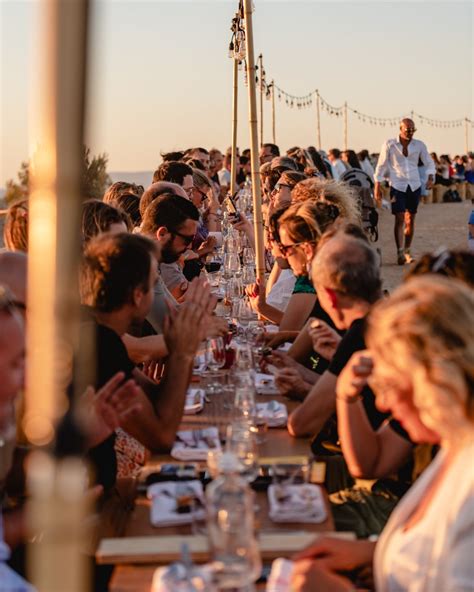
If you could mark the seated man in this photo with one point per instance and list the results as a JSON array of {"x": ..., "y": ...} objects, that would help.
[
  {"x": 346, "y": 274},
  {"x": 117, "y": 278},
  {"x": 172, "y": 221}
]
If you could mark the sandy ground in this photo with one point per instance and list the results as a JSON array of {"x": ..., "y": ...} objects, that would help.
[{"x": 437, "y": 225}]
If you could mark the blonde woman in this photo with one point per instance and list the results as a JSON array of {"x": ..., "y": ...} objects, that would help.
[
  {"x": 332, "y": 192},
  {"x": 421, "y": 344}
]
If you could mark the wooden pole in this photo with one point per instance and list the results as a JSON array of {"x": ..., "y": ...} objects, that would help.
[
  {"x": 53, "y": 300},
  {"x": 345, "y": 126},
  {"x": 235, "y": 104},
  {"x": 260, "y": 69},
  {"x": 318, "y": 119},
  {"x": 256, "y": 191},
  {"x": 273, "y": 113},
  {"x": 466, "y": 135}
]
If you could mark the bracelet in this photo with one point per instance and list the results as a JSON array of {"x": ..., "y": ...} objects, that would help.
[{"x": 349, "y": 400}]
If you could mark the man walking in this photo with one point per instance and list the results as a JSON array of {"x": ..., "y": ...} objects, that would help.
[{"x": 398, "y": 160}]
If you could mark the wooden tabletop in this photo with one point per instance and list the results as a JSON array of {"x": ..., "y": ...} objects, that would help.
[{"x": 127, "y": 514}]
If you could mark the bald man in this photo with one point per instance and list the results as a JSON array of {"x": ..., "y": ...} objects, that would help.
[{"x": 398, "y": 160}]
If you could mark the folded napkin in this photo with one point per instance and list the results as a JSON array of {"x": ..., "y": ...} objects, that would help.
[
  {"x": 265, "y": 384},
  {"x": 180, "y": 577},
  {"x": 194, "y": 401},
  {"x": 296, "y": 503},
  {"x": 195, "y": 444},
  {"x": 176, "y": 502},
  {"x": 273, "y": 412}
]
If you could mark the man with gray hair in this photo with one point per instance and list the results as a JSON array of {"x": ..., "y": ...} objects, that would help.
[{"x": 346, "y": 276}]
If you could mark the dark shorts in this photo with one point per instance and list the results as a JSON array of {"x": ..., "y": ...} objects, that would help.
[{"x": 403, "y": 201}]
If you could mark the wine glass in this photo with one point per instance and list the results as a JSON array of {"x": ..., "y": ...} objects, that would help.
[
  {"x": 231, "y": 265},
  {"x": 215, "y": 357}
]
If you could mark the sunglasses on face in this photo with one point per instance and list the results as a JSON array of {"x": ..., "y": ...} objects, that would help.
[
  {"x": 201, "y": 193},
  {"x": 287, "y": 250},
  {"x": 186, "y": 238}
]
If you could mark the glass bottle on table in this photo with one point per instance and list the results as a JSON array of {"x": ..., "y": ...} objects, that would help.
[{"x": 234, "y": 549}]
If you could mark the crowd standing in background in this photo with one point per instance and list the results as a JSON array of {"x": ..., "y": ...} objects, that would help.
[{"x": 171, "y": 266}]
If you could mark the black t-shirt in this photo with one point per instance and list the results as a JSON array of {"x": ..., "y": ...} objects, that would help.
[
  {"x": 352, "y": 342},
  {"x": 111, "y": 357},
  {"x": 316, "y": 362}
]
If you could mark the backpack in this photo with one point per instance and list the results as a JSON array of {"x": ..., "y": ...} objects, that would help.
[
  {"x": 363, "y": 186},
  {"x": 451, "y": 196}
]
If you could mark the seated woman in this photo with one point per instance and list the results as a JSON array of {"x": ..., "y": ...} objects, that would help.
[
  {"x": 421, "y": 346},
  {"x": 294, "y": 234}
]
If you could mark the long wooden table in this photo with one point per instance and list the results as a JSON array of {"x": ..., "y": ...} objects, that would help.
[{"x": 126, "y": 531}]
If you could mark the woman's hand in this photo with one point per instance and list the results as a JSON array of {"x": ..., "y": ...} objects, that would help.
[
  {"x": 207, "y": 246},
  {"x": 256, "y": 295},
  {"x": 335, "y": 555},
  {"x": 310, "y": 576},
  {"x": 325, "y": 339}
]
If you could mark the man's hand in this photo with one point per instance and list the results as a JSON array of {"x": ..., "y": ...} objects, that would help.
[
  {"x": 290, "y": 384},
  {"x": 105, "y": 410},
  {"x": 430, "y": 182},
  {"x": 216, "y": 327},
  {"x": 325, "y": 339},
  {"x": 185, "y": 328},
  {"x": 199, "y": 292},
  {"x": 354, "y": 376},
  {"x": 282, "y": 360}
]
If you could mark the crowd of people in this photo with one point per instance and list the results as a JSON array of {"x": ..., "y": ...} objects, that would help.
[{"x": 377, "y": 375}]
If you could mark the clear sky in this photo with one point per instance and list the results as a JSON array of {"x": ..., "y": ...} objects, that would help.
[{"x": 160, "y": 78}]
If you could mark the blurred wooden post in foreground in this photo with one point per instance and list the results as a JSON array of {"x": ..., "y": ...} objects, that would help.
[
  {"x": 235, "y": 103},
  {"x": 256, "y": 191},
  {"x": 57, "y": 502}
]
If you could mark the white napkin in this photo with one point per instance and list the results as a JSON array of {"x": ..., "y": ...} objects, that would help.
[
  {"x": 195, "y": 444},
  {"x": 170, "y": 578},
  {"x": 296, "y": 503},
  {"x": 274, "y": 412},
  {"x": 279, "y": 579},
  {"x": 265, "y": 384},
  {"x": 284, "y": 347},
  {"x": 163, "y": 511},
  {"x": 194, "y": 401}
]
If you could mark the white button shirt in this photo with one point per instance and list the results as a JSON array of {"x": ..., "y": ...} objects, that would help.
[
  {"x": 403, "y": 170},
  {"x": 338, "y": 169}
]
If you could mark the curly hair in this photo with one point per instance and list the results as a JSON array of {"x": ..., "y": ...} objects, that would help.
[
  {"x": 15, "y": 231},
  {"x": 425, "y": 332},
  {"x": 455, "y": 264},
  {"x": 339, "y": 194},
  {"x": 308, "y": 220}
]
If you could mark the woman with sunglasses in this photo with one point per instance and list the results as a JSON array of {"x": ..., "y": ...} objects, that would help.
[
  {"x": 294, "y": 235},
  {"x": 421, "y": 353}
]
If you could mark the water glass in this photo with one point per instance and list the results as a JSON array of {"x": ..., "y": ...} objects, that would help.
[{"x": 241, "y": 441}]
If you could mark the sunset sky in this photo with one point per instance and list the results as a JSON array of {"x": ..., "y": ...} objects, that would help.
[{"x": 160, "y": 78}]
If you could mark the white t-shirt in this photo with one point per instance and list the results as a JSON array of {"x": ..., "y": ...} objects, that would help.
[
  {"x": 282, "y": 289},
  {"x": 437, "y": 553}
]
